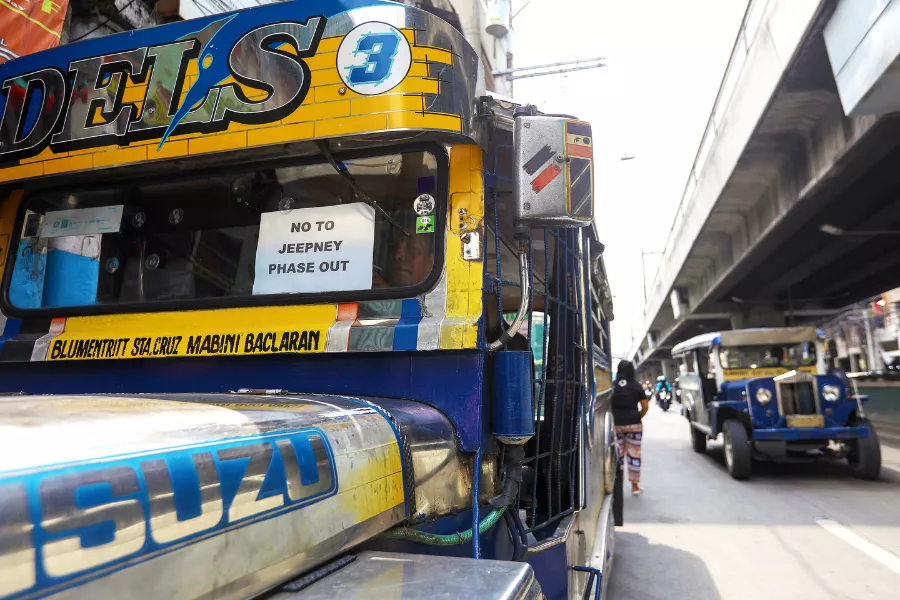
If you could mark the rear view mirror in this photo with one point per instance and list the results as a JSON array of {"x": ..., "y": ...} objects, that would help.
[{"x": 554, "y": 172}]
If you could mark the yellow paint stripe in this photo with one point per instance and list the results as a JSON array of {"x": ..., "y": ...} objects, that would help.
[
  {"x": 8, "y": 209},
  {"x": 120, "y": 157},
  {"x": 45, "y": 154},
  {"x": 242, "y": 322},
  {"x": 418, "y": 120},
  {"x": 280, "y": 135},
  {"x": 6, "y": 4},
  {"x": 22, "y": 172},
  {"x": 351, "y": 125},
  {"x": 387, "y": 103},
  {"x": 464, "y": 278},
  {"x": 429, "y": 54}
]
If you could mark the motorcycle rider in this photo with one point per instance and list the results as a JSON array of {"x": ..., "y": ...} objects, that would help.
[{"x": 662, "y": 385}]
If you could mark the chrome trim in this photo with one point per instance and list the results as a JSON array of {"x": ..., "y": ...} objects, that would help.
[
  {"x": 524, "y": 300},
  {"x": 796, "y": 377},
  {"x": 560, "y": 535},
  {"x": 386, "y": 575},
  {"x": 587, "y": 364},
  {"x": 439, "y": 474},
  {"x": 195, "y": 444}
]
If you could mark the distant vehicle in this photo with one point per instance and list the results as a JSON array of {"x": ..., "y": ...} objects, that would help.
[
  {"x": 767, "y": 392},
  {"x": 664, "y": 399},
  {"x": 663, "y": 393}
]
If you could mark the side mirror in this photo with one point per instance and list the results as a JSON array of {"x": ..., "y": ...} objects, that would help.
[{"x": 554, "y": 172}]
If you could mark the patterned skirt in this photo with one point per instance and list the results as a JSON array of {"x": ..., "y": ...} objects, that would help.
[{"x": 628, "y": 441}]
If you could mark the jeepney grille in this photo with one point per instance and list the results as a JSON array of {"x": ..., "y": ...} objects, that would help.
[
  {"x": 552, "y": 455},
  {"x": 797, "y": 398}
]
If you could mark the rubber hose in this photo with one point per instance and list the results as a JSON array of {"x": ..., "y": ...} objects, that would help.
[
  {"x": 519, "y": 549},
  {"x": 437, "y": 539},
  {"x": 513, "y": 457}
]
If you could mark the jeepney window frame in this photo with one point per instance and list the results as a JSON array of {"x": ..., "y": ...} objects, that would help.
[{"x": 442, "y": 160}]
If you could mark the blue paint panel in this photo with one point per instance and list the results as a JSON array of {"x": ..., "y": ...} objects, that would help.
[
  {"x": 452, "y": 382},
  {"x": 812, "y": 433},
  {"x": 11, "y": 328},
  {"x": 840, "y": 409},
  {"x": 714, "y": 407},
  {"x": 513, "y": 409},
  {"x": 92, "y": 486},
  {"x": 425, "y": 184},
  {"x": 760, "y": 415},
  {"x": 406, "y": 331},
  {"x": 71, "y": 279},
  {"x": 551, "y": 571},
  {"x": 26, "y": 286}
]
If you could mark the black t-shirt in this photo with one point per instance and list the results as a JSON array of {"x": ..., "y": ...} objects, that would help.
[{"x": 626, "y": 402}]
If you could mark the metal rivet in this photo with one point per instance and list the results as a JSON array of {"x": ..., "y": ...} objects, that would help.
[
  {"x": 342, "y": 90},
  {"x": 112, "y": 264},
  {"x": 462, "y": 212},
  {"x": 560, "y": 158},
  {"x": 528, "y": 206},
  {"x": 152, "y": 261},
  {"x": 466, "y": 238},
  {"x": 151, "y": 111},
  {"x": 527, "y": 125}
]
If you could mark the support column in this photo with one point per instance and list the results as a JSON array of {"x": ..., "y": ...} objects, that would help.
[{"x": 873, "y": 357}]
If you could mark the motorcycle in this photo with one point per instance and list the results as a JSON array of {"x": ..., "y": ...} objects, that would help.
[{"x": 664, "y": 399}]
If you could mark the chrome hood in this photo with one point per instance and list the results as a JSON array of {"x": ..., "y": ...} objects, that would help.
[{"x": 222, "y": 495}]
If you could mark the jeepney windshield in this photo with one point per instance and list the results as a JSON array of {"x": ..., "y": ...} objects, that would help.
[
  {"x": 776, "y": 355},
  {"x": 214, "y": 236}
]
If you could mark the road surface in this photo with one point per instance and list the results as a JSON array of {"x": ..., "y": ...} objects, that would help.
[{"x": 798, "y": 532}]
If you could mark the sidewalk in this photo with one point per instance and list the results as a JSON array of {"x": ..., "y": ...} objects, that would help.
[
  {"x": 889, "y": 436},
  {"x": 888, "y": 433}
]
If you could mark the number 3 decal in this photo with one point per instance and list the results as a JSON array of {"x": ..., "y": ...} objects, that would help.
[{"x": 373, "y": 58}]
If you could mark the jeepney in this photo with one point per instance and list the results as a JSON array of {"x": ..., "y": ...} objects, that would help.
[
  {"x": 255, "y": 268},
  {"x": 768, "y": 393}
]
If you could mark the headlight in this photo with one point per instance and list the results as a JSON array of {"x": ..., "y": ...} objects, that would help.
[
  {"x": 831, "y": 392},
  {"x": 763, "y": 395}
]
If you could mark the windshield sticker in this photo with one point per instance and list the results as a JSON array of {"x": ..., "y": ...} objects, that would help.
[
  {"x": 82, "y": 221},
  {"x": 425, "y": 225},
  {"x": 424, "y": 204},
  {"x": 311, "y": 250},
  {"x": 425, "y": 184}
]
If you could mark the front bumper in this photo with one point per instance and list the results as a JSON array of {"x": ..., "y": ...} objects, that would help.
[{"x": 787, "y": 434}]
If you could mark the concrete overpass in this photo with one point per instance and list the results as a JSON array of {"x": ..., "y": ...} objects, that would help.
[{"x": 788, "y": 209}]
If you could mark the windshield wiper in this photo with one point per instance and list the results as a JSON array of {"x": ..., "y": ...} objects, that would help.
[{"x": 343, "y": 172}]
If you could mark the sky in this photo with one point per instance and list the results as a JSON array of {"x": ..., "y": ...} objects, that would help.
[{"x": 664, "y": 62}]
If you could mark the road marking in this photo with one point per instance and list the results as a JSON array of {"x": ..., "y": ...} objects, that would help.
[{"x": 888, "y": 559}]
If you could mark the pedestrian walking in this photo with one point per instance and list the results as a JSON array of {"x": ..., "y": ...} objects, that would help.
[{"x": 629, "y": 405}]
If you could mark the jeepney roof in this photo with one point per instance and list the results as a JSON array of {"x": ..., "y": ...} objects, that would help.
[
  {"x": 430, "y": 87},
  {"x": 749, "y": 337}
]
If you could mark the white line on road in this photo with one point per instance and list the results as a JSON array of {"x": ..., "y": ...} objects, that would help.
[{"x": 888, "y": 559}]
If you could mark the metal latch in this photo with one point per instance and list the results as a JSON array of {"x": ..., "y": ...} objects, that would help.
[
  {"x": 471, "y": 246},
  {"x": 471, "y": 239}
]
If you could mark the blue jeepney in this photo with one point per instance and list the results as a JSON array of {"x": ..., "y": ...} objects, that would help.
[
  {"x": 767, "y": 392},
  {"x": 255, "y": 268}
]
